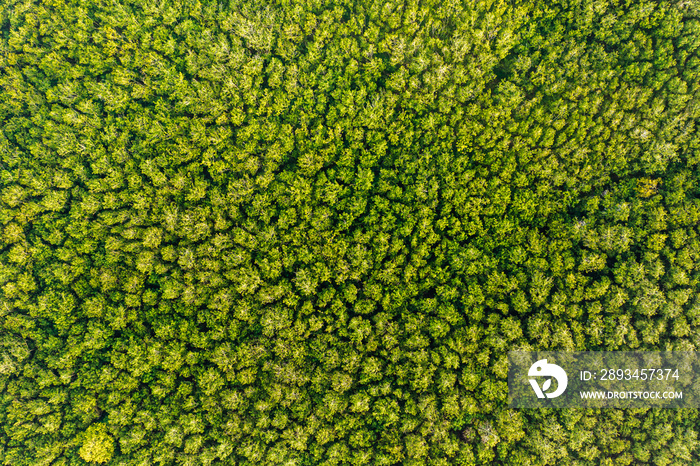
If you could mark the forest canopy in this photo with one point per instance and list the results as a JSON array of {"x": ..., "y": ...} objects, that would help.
[{"x": 309, "y": 232}]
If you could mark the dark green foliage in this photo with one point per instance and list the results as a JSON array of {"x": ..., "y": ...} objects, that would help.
[{"x": 309, "y": 232}]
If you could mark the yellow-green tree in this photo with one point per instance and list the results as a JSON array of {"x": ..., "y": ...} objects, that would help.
[{"x": 98, "y": 445}]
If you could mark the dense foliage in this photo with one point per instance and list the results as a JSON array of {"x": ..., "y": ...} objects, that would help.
[{"x": 307, "y": 233}]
